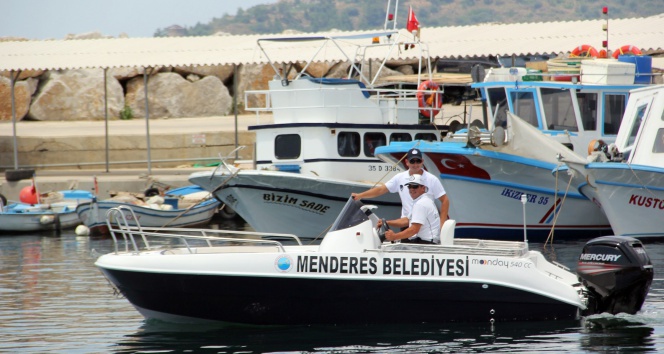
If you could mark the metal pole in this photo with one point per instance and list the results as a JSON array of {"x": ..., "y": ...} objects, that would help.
[
  {"x": 12, "y": 82},
  {"x": 147, "y": 118},
  {"x": 106, "y": 116},
  {"x": 235, "y": 106},
  {"x": 524, "y": 200}
]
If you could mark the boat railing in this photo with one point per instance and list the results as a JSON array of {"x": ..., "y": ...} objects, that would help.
[
  {"x": 343, "y": 97},
  {"x": 463, "y": 246},
  {"x": 191, "y": 238}
]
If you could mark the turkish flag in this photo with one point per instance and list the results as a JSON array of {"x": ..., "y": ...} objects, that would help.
[{"x": 412, "y": 24}]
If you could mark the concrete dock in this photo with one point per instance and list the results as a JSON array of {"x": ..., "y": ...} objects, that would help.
[{"x": 68, "y": 155}]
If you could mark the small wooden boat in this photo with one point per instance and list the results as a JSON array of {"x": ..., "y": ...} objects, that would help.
[
  {"x": 56, "y": 212},
  {"x": 181, "y": 207}
]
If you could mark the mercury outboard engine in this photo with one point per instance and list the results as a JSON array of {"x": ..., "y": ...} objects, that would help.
[{"x": 617, "y": 271}]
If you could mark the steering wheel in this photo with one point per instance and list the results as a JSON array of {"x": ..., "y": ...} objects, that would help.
[{"x": 383, "y": 229}]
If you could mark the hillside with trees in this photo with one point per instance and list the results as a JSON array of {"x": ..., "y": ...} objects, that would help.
[{"x": 346, "y": 15}]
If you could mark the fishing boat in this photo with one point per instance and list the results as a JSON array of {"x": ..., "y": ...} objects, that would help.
[
  {"x": 54, "y": 211},
  {"x": 187, "y": 206},
  {"x": 626, "y": 178},
  {"x": 352, "y": 276},
  {"x": 495, "y": 168},
  {"x": 320, "y": 146}
]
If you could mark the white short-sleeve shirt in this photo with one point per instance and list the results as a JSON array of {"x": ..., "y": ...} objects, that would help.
[
  {"x": 397, "y": 184},
  {"x": 425, "y": 213}
]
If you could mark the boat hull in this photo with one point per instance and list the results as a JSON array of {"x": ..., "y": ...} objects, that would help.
[
  {"x": 631, "y": 196},
  {"x": 256, "y": 300},
  {"x": 307, "y": 287},
  {"x": 289, "y": 203},
  {"x": 35, "y": 221},
  {"x": 93, "y": 215},
  {"x": 485, "y": 189}
]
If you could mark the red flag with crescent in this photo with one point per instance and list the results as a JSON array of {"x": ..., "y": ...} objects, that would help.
[{"x": 413, "y": 24}]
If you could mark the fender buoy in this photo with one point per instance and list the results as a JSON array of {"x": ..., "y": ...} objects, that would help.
[
  {"x": 584, "y": 50},
  {"x": 626, "y": 49},
  {"x": 596, "y": 145},
  {"x": 429, "y": 102}
]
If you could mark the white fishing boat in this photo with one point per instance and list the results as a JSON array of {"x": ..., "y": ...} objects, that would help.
[
  {"x": 495, "y": 169},
  {"x": 320, "y": 146},
  {"x": 187, "y": 206},
  {"x": 55, "y": 212},
  {"x": 352, "y": 277},
  {"x": 626, "y": 178}
]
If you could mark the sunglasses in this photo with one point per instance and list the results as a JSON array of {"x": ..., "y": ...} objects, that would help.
[
  {"x": 413, "y": 186},
  {"x": 415, "y": 161}
]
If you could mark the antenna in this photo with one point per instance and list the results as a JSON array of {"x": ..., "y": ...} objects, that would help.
[
  {"x": 605, "y": 28},
  {"x": 391, "y": 16}
]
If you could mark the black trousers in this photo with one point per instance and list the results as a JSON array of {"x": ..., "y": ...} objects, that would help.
[{"x": 417, "y": 240}]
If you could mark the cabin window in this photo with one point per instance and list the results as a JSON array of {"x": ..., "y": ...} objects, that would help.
[
  {"x": 426, "y": 136},
  {"x": 400, "y": 137},
  {"x": 372, "y": 141},
  {"x": 498, "y": 105},
  {"x": 523, "y": 104},
  {"x": 614, "y": 108},
  {"x": 634, "y": 130},
  {"x": 348, "y": 144},
  {"x": 558, "y": 110},
  {"x": 588, "y": 109},
  {"x": 287, "y": 146},
  {"x": 659, "y": 141}
]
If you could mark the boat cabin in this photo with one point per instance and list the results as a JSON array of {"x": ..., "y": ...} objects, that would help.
[
  {"x": 572, "y": 113},
  {"x": 329, "y": 127}
]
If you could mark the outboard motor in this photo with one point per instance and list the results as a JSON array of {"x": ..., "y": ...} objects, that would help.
[{"x": 617, "y": 271}]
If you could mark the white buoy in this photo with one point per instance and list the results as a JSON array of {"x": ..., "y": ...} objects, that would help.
[
  {"x": 82, "y": 230},
  {"x": 47, "y": 219}
]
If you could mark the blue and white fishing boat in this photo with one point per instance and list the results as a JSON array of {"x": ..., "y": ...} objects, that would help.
[
  {"x": 626, "y": 178},
  {"x": 56, "y": 213},
  {"x": 186, "y": 206},
  {"x": 486, "y": 176}
]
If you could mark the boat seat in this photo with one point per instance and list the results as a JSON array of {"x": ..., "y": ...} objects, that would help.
[{"x": 447, "y": 232}]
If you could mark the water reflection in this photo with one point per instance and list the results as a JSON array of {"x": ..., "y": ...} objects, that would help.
[{"x": 158, "y": 336}]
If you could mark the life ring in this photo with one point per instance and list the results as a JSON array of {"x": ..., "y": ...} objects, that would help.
[
  {"x": 626, "y": 49},
  {"x": 584, "y": 50},
  {"x": 429, "y": 103}
]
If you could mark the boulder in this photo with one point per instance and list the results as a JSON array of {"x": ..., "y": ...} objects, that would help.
[
  {"x": 172, "y": 96},
  {"x": 24, "y": 74},
  {"x": 223, "y": 72},
  {"x": 76, "y": 95},
  {"x": 253, "y": 77},
  {"x": 22, "y": 96}
]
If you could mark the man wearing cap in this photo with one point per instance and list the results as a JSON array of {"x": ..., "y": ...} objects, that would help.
[
  {"x": 398, "y": 184},
  {"x": 423, "y": 223}
]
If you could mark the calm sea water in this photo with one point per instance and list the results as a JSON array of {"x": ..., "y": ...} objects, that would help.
[{"x": 54, "y": 300}]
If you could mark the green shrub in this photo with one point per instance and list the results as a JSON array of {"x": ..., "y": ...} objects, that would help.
[{"x": 126, "y": 113}]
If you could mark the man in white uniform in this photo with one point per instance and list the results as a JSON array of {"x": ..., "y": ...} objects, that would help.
[
  {"x": 423, "y": 222},
  {"x": 397, "y": 184}
]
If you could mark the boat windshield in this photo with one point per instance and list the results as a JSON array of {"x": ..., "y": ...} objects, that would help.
[{"x": 350, "y": 215}]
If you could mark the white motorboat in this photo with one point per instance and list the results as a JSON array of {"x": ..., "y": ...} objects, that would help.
[
  {"x": 496, "y": 169},
  {"x": 187, "y": 206},
  {"x": 353, "y": 277},
  {"x": 626, "y": 178},
  {"x": 320, "y": 146},
  {"x": 55, "y": 213}
]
